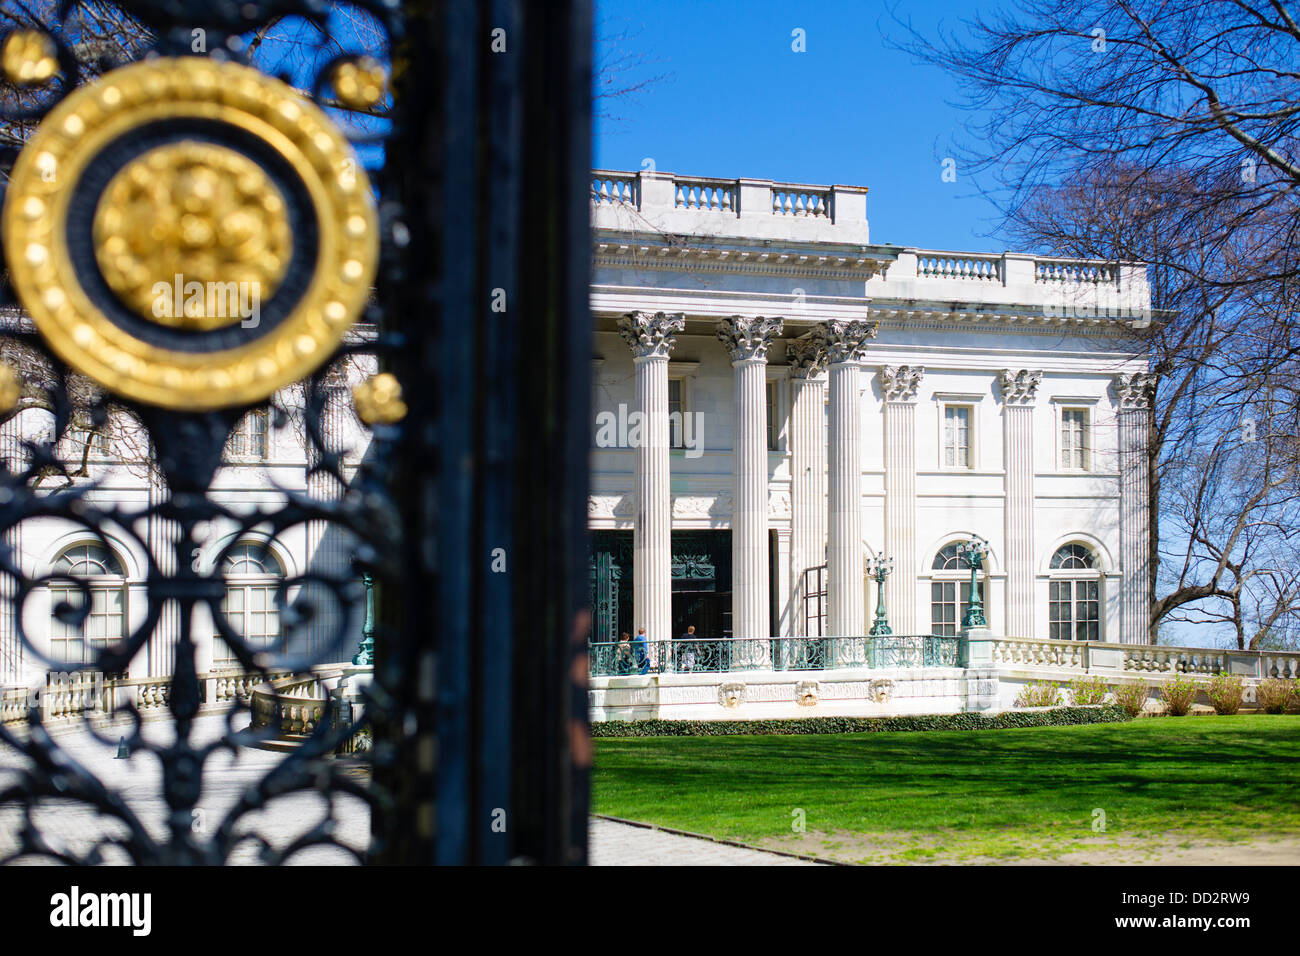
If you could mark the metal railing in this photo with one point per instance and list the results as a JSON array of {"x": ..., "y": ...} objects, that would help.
[{"x": 708, "y": 655}]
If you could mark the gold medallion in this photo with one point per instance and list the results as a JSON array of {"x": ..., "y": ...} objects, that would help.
[{"x": 190, "y": 234}]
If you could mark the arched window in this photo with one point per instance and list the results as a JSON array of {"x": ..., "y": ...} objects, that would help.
[
  {"x": 950, "y": 591},
  {"x": 77, "y": 642},
  {"x": 253, "y": 577},
  {"x": 1074, "y": 595}
]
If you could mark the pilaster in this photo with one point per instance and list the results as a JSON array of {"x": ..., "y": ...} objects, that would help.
[
  {"x": 1019, "y": 393},
  {"x": 898, "y": 388},
  {"x": 1134, "y": 392}
]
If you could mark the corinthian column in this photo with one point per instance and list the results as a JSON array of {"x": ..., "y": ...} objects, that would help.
[
  {"x": 1134, "y": 392},
  {"x": 1019, "y": 390},
  {"x": 807, "y": 465},
  {"x": 746, "y": 340},
  {"x": 845, "y": 344},
  {"x": 650, "y": 336},
  {"x": 898, "y": 386}
]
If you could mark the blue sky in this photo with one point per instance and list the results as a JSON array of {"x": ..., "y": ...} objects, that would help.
[{"x": 738, "y": 101}]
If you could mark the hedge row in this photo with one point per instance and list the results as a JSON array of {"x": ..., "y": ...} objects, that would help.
[{"x": 1057, "y": 717}]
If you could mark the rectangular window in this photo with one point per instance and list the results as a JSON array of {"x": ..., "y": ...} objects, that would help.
[
  {"x": 252, "y": 611},
  {"x": 1074, "y": 439},
  {"x": 1074, "y": 610},
  {"x": 78, "y": 643},
  {"x": 252, "y": 436},
  {"x": 949, "y": 602},
  {"x": 956, "y": 436},
  {"x": 98, "y": 441},
  {"x": 676, "y": 411}
]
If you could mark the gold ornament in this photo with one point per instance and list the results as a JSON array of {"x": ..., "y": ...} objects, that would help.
[
  {"x": 360, "y": 83},
  {"x": 191, "y": 212},
  {"x": 235, "y": 106},
  {"x": 11, "y": 389},
  {"x": 379, "y": 400},
  {"x": 29, "y": 58}
]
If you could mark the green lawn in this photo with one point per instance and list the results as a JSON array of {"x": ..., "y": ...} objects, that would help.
[{"x": 967, "y": 794}]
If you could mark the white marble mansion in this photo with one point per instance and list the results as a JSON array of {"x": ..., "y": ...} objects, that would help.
[{"x": 778, "y": 401}]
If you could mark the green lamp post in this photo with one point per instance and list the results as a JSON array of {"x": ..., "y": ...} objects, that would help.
[
  {"x": 880, "y": 567},
  {"x": 365, "y": 655},
  {"x": 974, "y": 551}
]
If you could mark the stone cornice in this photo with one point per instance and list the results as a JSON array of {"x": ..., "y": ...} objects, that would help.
[
  {"x": 678, "y": 252},
  {"x": 889, "y": 314}
]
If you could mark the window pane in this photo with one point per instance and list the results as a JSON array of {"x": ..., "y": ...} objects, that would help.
[{"x": 956, "y": 436}]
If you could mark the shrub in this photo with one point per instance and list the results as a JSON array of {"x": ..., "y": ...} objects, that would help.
[
  {"x": 1087, "y": 690},
  {"x": 1131, "y": 698},
  {"x": 1225, "y": 692},
  {"x": 1061, "y": 717},
  {"x": 1039, "y": 694},
  {"x": 1178, "y": 693},
  {"x": 1274, "y": 695}
]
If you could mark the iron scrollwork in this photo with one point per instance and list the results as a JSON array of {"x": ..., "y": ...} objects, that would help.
[{"x": 193, "y": 167}]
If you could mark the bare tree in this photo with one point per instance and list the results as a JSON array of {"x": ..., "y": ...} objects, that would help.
[{"x": 1165, "y": 132}]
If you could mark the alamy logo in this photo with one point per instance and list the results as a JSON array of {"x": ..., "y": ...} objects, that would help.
[
  {"x": 179, "y": 299},
  {"x": 73, "y": 909},
  {"x": 627, "y": 429}
]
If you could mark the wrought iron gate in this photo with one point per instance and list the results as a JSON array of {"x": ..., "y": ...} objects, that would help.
[{"x": 372, "y": 196}]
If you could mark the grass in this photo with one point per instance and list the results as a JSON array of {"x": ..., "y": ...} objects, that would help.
[{"x": 967, "y": 794}]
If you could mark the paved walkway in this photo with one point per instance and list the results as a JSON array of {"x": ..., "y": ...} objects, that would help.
[
  {"x": 72, "y": 826},
  {"x": 622, "y": 844}
]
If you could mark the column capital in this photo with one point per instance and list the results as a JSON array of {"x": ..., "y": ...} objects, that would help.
[
  {"x": 748, "y": 336},
  {"x": 898, "y": 383},
  {"x": 651, "y": 333},
  {"x": 806, "y": 357},
  {"x": 1020, "y": 388},
  {"x": 845, "y": 341},
  {"x": 1135, "y": 389}
]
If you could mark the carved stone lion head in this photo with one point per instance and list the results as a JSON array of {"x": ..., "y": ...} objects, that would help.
[{"x": 807, "y": 693}]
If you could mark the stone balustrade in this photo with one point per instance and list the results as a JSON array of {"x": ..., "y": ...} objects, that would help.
[
  {"x": 631, "y": 212},
  {"x": 742, "y": 208},
  {"x": 1097, "y": 657},
  {"x": 1029, "y": 653},
  {"x": 85, "y": 693}
]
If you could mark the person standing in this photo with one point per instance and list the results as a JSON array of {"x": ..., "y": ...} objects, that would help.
[
  {"x": 641, "y": 652},
  {"x": 686, "y": 658}
]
